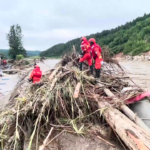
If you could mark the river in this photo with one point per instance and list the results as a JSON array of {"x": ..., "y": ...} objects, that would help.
[
  {"x": 139, "y": 71},
  {"x": 8, "y": 82}
]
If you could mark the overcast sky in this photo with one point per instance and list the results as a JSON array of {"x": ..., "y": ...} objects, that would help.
[{"x": 48, "y": 22}]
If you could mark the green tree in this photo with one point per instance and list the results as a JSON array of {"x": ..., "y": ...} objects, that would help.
[
  {"x": 15, "y": 42},
  {"x": 2, "y": 56}
]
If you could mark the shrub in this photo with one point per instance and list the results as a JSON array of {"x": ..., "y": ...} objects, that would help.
[{"x": 19, "y": 57}]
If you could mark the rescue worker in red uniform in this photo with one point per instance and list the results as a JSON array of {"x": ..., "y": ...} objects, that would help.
[
  {"x": 96, "y": 55},
  {"x": 4, "y": 62},
  {"x": 36, "y": 75},
  {"x": 85, "y": 55}
]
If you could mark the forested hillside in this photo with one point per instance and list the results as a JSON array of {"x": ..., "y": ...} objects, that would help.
[
  {"x": 132, "y": 38},
  {"x": 29, "y": 53}
]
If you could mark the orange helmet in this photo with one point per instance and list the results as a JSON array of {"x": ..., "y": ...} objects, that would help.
[
  {"x": 36, "y": 66},
  {"x": 92, "y": 40},
  {"x": 83, "y": 39}
]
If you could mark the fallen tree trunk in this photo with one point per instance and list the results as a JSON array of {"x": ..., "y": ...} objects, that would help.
[
  {"x": 128, "y": 111},
  {"x": 54, "y": 73},
  {"x": 11, "y": 70},
  {"x": 132, "y": 135}
]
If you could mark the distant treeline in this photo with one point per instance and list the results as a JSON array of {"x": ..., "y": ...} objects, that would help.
[
  {"x": 29, "y": 53},
  {"x": 132, "y": 38}
]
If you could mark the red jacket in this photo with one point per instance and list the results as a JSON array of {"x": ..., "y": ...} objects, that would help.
[
  {"x": 36, "y": 75},
  {"x": 85, "y": 46},
  {"x": 96, "y": 51},
  {"x": 4, "y": 61}
]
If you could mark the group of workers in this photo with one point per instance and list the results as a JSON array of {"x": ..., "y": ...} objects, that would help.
[{"x": 91, "y": 52}]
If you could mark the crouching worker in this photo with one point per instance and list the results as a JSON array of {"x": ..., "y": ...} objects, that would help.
[
  {"x": 86, "y": 55},
  {"x": 36, "y": 75},
  {"x": 97, "y": 57}
]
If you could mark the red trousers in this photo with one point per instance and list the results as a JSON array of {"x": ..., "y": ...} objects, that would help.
[
  {"x": 36, "y": 80},
  {"x": 87, "y": 56},
  {"x": 4, "y": 63},
  {"x": 98, "y": 63}
]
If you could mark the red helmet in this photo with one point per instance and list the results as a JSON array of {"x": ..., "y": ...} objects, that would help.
[
  {"x": 92, "y": 40},
  {"x": 36, "y": 66},
  {"x": 83, "y": 38}
]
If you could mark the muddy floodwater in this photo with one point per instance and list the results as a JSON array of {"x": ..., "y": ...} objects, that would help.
[
  {"x": 8, "y": 82},
  {"x": 139, "y": 71}
]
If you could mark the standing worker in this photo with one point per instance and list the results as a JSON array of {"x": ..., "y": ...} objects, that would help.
[
  {"x": 36, "y": 75},
  {"x": 97, "y": 57},
  {"x": 86, "y": 55}
]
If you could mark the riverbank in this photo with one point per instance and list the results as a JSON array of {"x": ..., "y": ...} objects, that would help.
[{"x": 141, "y": 57}]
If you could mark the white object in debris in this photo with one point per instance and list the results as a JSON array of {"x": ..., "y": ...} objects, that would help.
[
  {"x": 102, "y": 63},
  {"x": 126, "y": 89}
]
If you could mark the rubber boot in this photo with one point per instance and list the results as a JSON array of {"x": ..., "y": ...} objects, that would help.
[
  {"x": 80, "y": 65},
  {"x": 91, "y": 69},
  {"x": 97, "y": 73}
]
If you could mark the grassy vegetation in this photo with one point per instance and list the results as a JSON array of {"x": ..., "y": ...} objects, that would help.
[
  {"x": 38, "y": 57},
  {"x": 34, "y": 57}
]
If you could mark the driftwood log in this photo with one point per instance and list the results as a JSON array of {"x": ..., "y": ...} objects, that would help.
[
  {"x": 131, "y": 115},
  {"x": 77, "y": 89},
  {"x": 133, "y": 136}
]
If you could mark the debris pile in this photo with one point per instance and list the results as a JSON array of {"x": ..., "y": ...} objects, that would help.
[
  {"x": 21, "y": 63},
  {"x": 67, "y": 100}
]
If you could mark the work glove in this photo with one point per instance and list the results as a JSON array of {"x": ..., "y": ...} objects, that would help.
[
  {"x": 30, "y": 80},
  {"x": 81, "y": 54}
]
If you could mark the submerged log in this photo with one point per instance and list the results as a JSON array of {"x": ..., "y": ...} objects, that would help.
[{"x": 133, "y": 136}]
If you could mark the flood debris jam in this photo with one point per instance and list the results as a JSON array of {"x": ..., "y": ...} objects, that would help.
[{"x": 71, "y": 101}]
